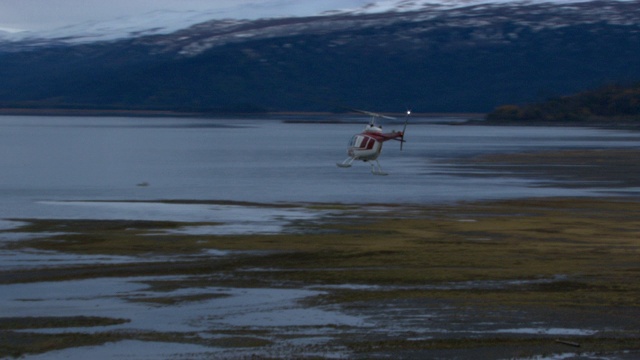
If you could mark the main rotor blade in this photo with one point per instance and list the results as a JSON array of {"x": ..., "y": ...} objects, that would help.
[{"x": 372, "y": 114}]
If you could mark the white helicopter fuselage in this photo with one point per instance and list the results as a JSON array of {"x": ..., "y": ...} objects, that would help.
[{"x": 366, "y": 145}]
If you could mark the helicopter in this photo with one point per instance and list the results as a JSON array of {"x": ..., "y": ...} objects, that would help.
[{"x": 367, "y": 145}]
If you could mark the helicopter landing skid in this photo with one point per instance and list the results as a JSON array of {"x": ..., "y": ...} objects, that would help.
[
  {"x": 376, "y": 169},
  {"x": 346, "y": 163}
]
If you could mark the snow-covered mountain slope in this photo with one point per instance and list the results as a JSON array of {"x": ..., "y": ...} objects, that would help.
[
  {"x": 162, "y": 22},
  {"x": 490, "y": 23},
  {"x": 416, "y": 5},
  {"x": 153, "y": 23}
]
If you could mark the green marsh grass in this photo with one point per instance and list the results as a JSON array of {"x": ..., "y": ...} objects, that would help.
[{"x": 571, "y": 253}]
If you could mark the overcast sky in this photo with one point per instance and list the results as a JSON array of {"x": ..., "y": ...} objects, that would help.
[{"x": 50, "y": 14}]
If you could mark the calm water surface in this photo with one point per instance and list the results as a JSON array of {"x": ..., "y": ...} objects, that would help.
[{"x": 48, "y": 160}]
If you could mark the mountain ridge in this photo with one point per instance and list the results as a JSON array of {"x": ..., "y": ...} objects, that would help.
[
  {"x": 459, "y": 59},
  {"x": 167, "y": 22}
]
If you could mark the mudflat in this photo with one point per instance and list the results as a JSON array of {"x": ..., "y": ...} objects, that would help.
[
  {"x": 501, "y": 279},
  {"x": 605, "y": 168}
]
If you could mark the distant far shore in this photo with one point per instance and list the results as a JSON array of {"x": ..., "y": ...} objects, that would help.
[
  {"x": 459, "y": 118},
  {"x": 170, "y": 113},
  {"x": 95, "y": 112}
]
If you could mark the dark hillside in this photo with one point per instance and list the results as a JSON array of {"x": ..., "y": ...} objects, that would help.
[{"x": 610, "y": 103}]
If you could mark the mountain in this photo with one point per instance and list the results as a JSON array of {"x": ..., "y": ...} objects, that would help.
[{"x": 456, "y": 56}]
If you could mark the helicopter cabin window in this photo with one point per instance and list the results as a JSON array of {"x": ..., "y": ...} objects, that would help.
[
  {"x": 369, "y": 143},
  {"x": 353, "y": 140},
  {"x": 356, "y": 141},
  {"x": 362, "y": 142}
]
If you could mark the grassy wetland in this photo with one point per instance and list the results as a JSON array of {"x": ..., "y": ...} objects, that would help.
[{"x": 501, "y": 279}]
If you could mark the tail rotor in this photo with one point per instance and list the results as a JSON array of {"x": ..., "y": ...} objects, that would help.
[{"x": 404, "y": 128}]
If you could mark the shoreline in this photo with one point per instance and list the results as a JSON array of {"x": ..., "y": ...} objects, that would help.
[
  {"x": 171, "y": 113},
  {"x": 464, "y": 119}
]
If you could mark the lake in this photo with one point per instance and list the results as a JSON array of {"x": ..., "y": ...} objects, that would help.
[{"x": 50, "y": 161}]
